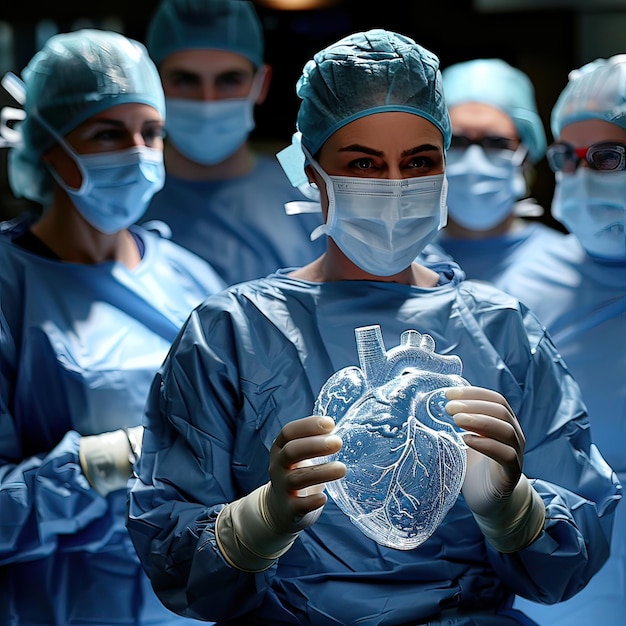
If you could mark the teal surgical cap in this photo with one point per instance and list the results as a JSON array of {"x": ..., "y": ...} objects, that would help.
[
  {"x": 72, "y": 78},
  {"x": 231, "y": 25},
  {"x": 495, "y": 82},
  {"x": 366, "y": 73},
  {"x": 596, "y": 91}
]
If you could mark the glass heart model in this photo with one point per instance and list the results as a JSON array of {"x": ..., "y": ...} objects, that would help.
[{"x": 405, "y": 457}]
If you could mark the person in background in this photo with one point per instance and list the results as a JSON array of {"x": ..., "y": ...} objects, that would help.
[
  {"x": 227, "y": 509},
  {"x": 497, "y": 137},
  {"x": 577, "y": 287},
  {"x": 222, "y": 199},
  {"x": 90, "y": 306}
]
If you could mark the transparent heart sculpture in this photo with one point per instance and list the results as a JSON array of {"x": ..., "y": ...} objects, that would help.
[{"x": 405, "y": 457}]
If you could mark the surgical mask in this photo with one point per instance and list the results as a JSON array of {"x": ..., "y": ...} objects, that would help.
[
  {"x": 483, "y": 185},
  {"x": 592, "y": 205},
  {"x": 116, "y": 187},
  {"x": 208, "y": 132},
  {"x": 382, "y": 225}
]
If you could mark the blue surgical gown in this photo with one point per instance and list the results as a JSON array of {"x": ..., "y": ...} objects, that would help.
[
  {"x": 79, "y": 346},
  {"x": 489, "y": 258},
  {"x": 253, "y": 358},
  {"x": 582, "y": 302},
  {"x": 238, "y": 225}
]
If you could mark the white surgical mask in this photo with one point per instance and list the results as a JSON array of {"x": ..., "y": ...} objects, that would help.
[
  {"x": 116, "y": 187},
  {"x": 482, "y": 189},
  {"x": 208, "y": 132},
  {"x": 382, "y": 225},
  {"x": 592, "y": 205}
]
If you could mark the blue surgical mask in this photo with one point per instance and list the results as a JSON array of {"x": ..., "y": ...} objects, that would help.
[
  {"x": 382, "y": 225},
  {"x": 483, "y": 188},
  {"x": 116, "y": 187},
  {"x": 208, "y": 132},
  {"x": 592, "y": 205}
]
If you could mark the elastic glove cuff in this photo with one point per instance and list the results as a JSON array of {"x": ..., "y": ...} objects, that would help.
[
  {"x": 245, "y": 535},
  {"x": 518, "y": 522},
  {"x": 107, "y": 460}
]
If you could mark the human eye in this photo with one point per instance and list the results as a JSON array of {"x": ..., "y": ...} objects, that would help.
[
  {"x": 495, "y": 142},
  {"x": 421, "y": 163},
  {"x": 362, "y": 164},
  {"x": 181, "y": 80},
  {"x": 108, "y": 135},
  {"x": 152, "y": 134},
  {"x": 232, "y": 84}
]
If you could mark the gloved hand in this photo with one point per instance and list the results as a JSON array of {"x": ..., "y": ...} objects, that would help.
[
  {"x": 255, "y": 530},
  {"x": 509, "y": 512},
  {"x": 107, "y": 459}
]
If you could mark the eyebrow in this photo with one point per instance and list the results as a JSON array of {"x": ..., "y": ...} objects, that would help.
[{"x": 416, "y": 150}]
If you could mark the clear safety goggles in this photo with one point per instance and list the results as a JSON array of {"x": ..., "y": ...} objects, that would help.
[
  {"x": 607, "y": 156},
  {"x": 490, "y": 142},
  {"x": 497, "y": 150}
]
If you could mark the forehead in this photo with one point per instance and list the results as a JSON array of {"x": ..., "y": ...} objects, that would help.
[
  {"x": 587, "y": 132},
  {"x": 205, "y": 62},
  {"x": 480, "y": 119},
  {"x": 389, "y": 132}
]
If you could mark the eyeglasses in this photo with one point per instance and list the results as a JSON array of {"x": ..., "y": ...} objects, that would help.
[
  {"x": 607, "y": 156},
  {"x": 492, "y": 142}
]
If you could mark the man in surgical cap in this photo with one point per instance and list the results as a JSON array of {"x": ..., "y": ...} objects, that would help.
[
  {"x": 89, "y": 306},
  {"x": 227, "y": 509},
  {"x": 578, "y": 289},
  {"x": 497, "y": 136},
  {"x": 223, "y": 199}
]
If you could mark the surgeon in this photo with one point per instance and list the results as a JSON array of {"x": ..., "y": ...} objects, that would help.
[
  {"x": 90, "y": 305},
  {"x": 227, "y": 509},
  {"x": 497, "y": 137},
  {"x": 578, "y": 290},
  {"x": 223, "y": 199}
]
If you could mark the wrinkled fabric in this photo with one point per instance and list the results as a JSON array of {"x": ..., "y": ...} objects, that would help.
[
  {"x": 79, "y": 346},
  {"x": 595, "y": 91},
  {"x": 72, "y": 78},
  {"x": 490, "y": 258},
  {"x": 583, "y": 304},
  {"x": 238, "y": 225},
  {"x": 495, "y": 82},
  {"x": 366, "y": 73},
  {"x": 218, "y": 24},
  {"x": 254, "y": 357}
]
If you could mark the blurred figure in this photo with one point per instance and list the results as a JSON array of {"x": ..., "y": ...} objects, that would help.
[
  {"x": 497, "y": 136},
  {"x": 577, "y": 287},
  {"x": 227, "y": 509},
  {"x": 221, "y": 199},
  {"x": 90, "y": 305}
]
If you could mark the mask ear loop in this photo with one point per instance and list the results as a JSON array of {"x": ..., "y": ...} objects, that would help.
[
  {"x": 257, "y": 84},
  {"x": 85, "y": 184},
  {"x": 325, "y": 228}
]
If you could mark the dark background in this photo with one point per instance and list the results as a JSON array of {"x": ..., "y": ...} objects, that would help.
[{"x": 544, "y": 38}]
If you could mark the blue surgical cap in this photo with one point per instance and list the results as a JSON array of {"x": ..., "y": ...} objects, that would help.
[
  {"x": 495, "y": 82},
  {"x": 231, "y": 25},
  {"x": 72, "y": 78},
  {"x": 366, "y": 73},
  {"x": 596, "y": 91}
]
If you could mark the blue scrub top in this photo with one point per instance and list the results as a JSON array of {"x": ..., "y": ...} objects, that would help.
[
  {"x": 488, "y": 259},
  {"x": 582, "y": 302},
  {"x": 79, "y": 347},
  {"x": 254, "y": 357},
  {"x": 238, "y": 225}
]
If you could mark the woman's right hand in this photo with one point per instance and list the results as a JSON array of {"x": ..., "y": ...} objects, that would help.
[{"x": 295, "y": 497}]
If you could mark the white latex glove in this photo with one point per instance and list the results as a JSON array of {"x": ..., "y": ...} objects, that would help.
[
  {"x": 107, "y": 459},
  {"x": 255, "y": 530},
  {"x": 509, "y": 512}
]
